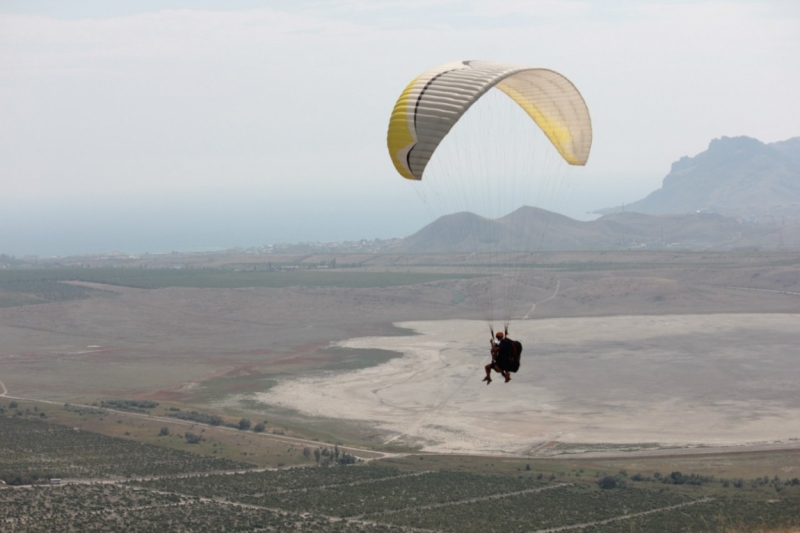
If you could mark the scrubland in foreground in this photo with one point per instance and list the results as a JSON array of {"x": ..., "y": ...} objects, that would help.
[{"x": 113, "y": 484}]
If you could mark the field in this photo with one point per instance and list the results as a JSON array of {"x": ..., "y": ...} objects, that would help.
[
  {"x": 52, "y": 285},
  {"x": 119, "y": 484},
  {"x": 35, "y": 451},
  {"x": 109, "y": 508},
  {"x": 272, "y": 447},
  {"x": 379, "y": 498},
  {"x": 225, "y": 340},
  {"x": 642, "y": 363}
]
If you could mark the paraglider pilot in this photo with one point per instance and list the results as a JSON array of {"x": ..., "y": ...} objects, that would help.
[{"x": 505, "y": 357}]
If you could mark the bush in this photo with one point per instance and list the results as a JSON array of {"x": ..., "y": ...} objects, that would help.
[
  {"x": 194, "y": 416},
  {"x": 677, "y": 478},
  {"x": 164, "y": 432},
  {"x": 137, "y": 406},
  {"x": 607, "y": 482},
  {"x": 347, "y": 459},
  {"x": 260, "y": 427},
  {"x": 191, "y": 438},
  {"x": 244, "y": 424},
  {"x": 612, "y": 482}
]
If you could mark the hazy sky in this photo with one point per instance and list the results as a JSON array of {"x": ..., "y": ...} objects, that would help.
[{"x": 183, "y": 125}]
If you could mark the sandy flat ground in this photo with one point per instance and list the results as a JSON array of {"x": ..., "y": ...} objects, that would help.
[{"x": 719, "y": 379}]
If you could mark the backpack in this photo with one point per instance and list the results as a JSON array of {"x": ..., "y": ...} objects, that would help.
[{"x": 512, "y": 362}]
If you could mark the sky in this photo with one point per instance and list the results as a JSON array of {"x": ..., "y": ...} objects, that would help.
[{"x": 183, "y": 125}]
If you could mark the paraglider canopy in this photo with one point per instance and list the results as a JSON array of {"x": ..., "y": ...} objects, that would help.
[
  {"x": 487, "y": 157},
  {"x": 434, "y": 101}
]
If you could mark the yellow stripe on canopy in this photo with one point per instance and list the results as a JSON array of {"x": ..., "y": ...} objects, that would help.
[{"x": 400, "y": 137}]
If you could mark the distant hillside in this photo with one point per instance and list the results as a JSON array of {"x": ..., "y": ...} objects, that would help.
[
  {"x": 467, "y": 232},
  {"x": 533, "y": 229},
  {"x": 736, "y": 176}
]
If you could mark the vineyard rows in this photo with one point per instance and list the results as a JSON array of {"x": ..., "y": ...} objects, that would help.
[
  {"x": 113, "y": 508},
  {"x": 194, "y": 493},
  {"x": 34, "y": 450}
]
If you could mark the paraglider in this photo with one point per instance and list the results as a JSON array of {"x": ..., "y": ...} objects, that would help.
[
  {"x": 431, "y": 105},
  {"x": 505, "y": 357},
  {"x": 499, "y": 172}
]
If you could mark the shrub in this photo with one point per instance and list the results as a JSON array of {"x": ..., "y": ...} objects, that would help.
[
  {"x": 347, "y": 459},
  {"x": 194, "y": 416},
  {"x": 612, "y": 482},
  {"x": 607, "y": 482}
]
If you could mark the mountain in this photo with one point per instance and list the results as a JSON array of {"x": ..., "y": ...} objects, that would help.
[
  {"x": 736, "y": 176},
  {"x": 534, "y": 229},
  {"x": 468, "y": 232}
]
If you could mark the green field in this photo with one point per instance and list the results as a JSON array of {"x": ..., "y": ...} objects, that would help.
[
  {"x": 114, "y": 508},
  {"x": 33, "y": 451},
  {"x": 16, "y": 291},
  {"x": 456, "y": 502},
  {"x": 374, "y": 498},
  {"x": 22, "y": 287}
]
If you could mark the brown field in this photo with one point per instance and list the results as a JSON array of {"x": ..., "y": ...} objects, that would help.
[{"x": 214, "y": 349}]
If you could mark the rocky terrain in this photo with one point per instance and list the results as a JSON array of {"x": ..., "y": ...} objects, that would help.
[{"x": 736, "y": 176}]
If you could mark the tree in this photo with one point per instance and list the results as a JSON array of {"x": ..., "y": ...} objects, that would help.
[
  {"x": 164, "y": 431},
  {"x": 607, "y": 482},
  {"x": 191, "y": 438},
  {"x": 612, "y": 482},
  {"x": 244, "y": 424},
  {"x": 260, "y": 427},
  {"x": 347, "y": 459},
  {"x": 306, "y": 452},
  {"x": 317, "y": 454}
]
